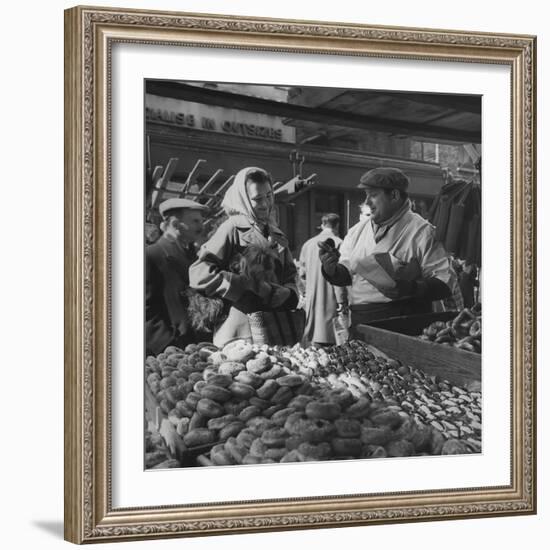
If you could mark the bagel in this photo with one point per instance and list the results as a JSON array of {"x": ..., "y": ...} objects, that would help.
[
  {"x": 186, "y": 387},
  {"x": 290, "y": 380},
  {"x": 322, "y": 451},
  {"x": 374, "y": 451},
  {"x": 344, "y": 398},
  {"x": 250, "y": 412},
  {"x": 259, "y": 424},
  {"x": 280, "y": 416},
  {"x": 292, "y": 419},
  {"x": 346, "y": 447},
  {"x": 359, "y": 409},
  {"x": 239, "y": 350},
  {"x": 249, "y": 378},
  {"x": 299, "y": 402},
  {"x": 401, "y": 448},
  {"x": 282, "y": 396},
  {"x": 293, "y": 442},
  {"x": 221, "y": 457},
  {"x": 347, "y": 428},
  {"x": 223, "y": 380},
  {"x": 198, "y": 436},
  {"x": 270, "y": 411},
  {"x": 230, "y": 368},
  {"x": 455, "y": 447},
  {"x": 221, "y": 421},
  {"x": 170, "y": 350},
  {"x": 217, "y": 358},
  {"x": 238, "y": 452},
  {"x": 293, "y": 456},
  {"x": 258, "y": 365},
  {"x": 323, "y": 410},
  {"x": 274, "y": 437},
  {"x": 273, "y": 372},
  {"x": 305, "y": 389},
  {"x": 275, "y": 453},
  {"x": 195, "y": 377},
  {"x": 268, "y": 389},
  {"x": 192, "y": 399},
  {"x": 260, "y": 403},
  {"x": 216, "y": 393},
  {"x": 312, "y": 431},
  {"x": 246, "y": 436},
  {"x": 258, "y": 448},
  {"x": 231, "y": 429},
  {"x": 208, "y": 372},
  {"x": 209, "y": 408},
  {"x": 235, "y": 407},
  {"x": 241, "y": 390},
  {"x": 184, "y": 408},
  {"x": 391, "y": 419},
  {"x": 375, "y": 436}
]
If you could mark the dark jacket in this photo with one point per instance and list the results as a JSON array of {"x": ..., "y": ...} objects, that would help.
[{"x": 166, "y": 278}]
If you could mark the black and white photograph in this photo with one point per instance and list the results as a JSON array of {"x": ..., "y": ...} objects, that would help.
[{"x": 313, "y": 274}]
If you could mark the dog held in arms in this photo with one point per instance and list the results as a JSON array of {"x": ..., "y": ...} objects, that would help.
[{"x": 255, "y": 262}]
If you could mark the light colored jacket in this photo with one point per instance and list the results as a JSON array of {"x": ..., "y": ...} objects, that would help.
[
  {"x": 410, "y": 237},
  {"x": 321, "y": 297}
]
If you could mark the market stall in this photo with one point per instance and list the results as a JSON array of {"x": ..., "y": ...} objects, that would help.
[{"x": 250, "y": 404}]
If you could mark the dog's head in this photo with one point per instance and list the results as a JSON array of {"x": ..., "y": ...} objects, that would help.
[{"x": 258, "y": 263}]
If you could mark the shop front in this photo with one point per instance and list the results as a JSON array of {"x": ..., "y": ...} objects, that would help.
[{"x": 229, "y": 140}]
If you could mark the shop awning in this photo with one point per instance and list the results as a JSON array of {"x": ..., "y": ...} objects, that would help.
[{"x": 423, "y": 116}]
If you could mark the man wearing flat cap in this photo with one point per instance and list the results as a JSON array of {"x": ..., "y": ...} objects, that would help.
[
  {"x": 167, "y": 264},
  {"x": 391, "y": 261}
]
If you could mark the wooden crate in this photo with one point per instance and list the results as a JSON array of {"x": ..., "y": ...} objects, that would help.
[
  {"x": 458, "y": 366},
  {"x": 413, "y": 324}
]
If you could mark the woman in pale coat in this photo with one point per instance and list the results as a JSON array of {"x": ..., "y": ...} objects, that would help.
[{"x": 249, "y": 204}]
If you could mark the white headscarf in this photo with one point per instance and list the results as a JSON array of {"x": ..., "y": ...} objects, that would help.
[{"x": 237, "y": 201}]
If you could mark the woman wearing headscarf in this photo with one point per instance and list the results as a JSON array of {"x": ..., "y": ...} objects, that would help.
[{"x": 251, "y": 225}]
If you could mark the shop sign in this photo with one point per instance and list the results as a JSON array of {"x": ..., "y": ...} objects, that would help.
[{"x": 187, "y": 114}]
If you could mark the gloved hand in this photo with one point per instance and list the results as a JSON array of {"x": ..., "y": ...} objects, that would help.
[
  {"x": 403, "y": 289},
  {"x": 335, "y": 273},
  {"x": 329, "y": 256},
  {"x": 279, "y": 296},
  {"x": 421, "y": 289}
]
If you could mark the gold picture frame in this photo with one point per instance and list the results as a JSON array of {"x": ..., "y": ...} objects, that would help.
[{"x": 89, "y": 36}]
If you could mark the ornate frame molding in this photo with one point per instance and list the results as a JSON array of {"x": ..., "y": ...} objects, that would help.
[{"x": 89, "y": 34}]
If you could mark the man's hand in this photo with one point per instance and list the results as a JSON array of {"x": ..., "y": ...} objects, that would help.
[
  {"x": 403, "y": 289},
  {"x": 329, "y": 256},
  {"x": 335, "y": 273}
]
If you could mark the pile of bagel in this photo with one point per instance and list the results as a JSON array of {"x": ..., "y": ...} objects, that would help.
[
  {"x": 463, "y": 332},
  {"x": 247, "y": 404}
]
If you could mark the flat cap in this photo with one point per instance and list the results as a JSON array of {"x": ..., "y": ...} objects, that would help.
[
  {"x": 386, "y": 178},
  {"x": 179, "y": 204}
]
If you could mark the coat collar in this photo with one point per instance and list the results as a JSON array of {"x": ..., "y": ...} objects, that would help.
[{"x": 244, "y": 223}]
